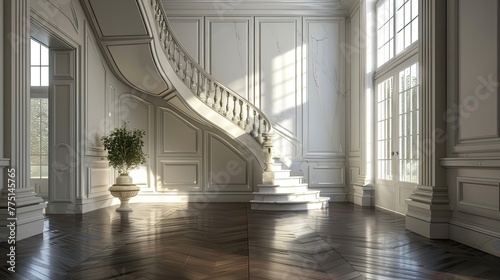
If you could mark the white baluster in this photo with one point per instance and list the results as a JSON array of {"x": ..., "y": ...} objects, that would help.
[{"x": 241, "y": 123}]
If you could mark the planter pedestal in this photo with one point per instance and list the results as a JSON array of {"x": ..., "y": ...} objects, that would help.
[{"x": 124, "y": 190}]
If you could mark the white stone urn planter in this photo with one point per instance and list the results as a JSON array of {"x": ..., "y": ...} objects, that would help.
[
  {"x": 124, "y": 189},
  {"x": 125, "y": 153}
]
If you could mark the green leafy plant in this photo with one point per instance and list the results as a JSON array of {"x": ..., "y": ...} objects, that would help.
[{"x": 124, "y": 148}]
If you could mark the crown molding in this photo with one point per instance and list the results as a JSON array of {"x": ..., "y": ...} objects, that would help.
[{"x": 259, "y": 7}]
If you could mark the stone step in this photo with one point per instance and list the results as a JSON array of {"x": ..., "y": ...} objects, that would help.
[
  {"x": 277, "y": 166},
  {"x": 320, "y": 203},
  {"x": 282, "y": 197},
  {"x": 282, "y": 173},
  {"x": 299, "y": 188},
  {"x": 288, "y": 181}
]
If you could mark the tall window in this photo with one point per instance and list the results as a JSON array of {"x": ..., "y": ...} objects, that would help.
[
  {"x": 397, "y": 91},
  {"x": 39, "y": 123},
  {"x": 395, "y": 18}
]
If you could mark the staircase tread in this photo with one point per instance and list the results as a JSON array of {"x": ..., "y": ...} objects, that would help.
[
  {"x": 291, "y": 193},
  {"x": 321, "y": 199},
  {"x": 276, "y": 185}
]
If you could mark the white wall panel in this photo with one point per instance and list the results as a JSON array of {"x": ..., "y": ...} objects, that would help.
[
  {"x": 228, "y": 169},
  {"x": 99, "y": 180},
  {"x": 96, "y": 100},
  {"x": 183, "y": 175},
  {"x": 478, "y": 68},
  {"x": 479, "y": 196},
  {"x": 326, "y": 176},
  {"x": 324, "y": 102},
  {"x": 177, "y": 136},
  {"x": 355, "y": 83},
  {"x": 228, "y": 49},
  {"x": 278, "y": 48}
]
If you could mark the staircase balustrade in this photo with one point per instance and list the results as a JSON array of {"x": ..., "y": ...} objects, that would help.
[{"x": 213, "y": 93}]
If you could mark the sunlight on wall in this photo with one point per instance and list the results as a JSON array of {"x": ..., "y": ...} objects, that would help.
[
  {"x": 284, "y": 87},
  {"x": 140, "y": 175}
]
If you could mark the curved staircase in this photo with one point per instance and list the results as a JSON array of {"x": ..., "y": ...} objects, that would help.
[{"x": 170, "y": 70}]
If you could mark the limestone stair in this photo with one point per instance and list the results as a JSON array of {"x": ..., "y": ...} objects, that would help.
[{"x": 287, "y": 193}]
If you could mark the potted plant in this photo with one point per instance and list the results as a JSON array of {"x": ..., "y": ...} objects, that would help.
[{"x": 125, "y": 153}]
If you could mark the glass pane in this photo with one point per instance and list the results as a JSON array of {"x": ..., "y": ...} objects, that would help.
[
  {"x": 44, "y": 76},
  {"x": 414, "y": 8},
  {"x": 34, "y": 159},
  {"x": 414, "y": 30},
  {"x": 384, "y": 129},
  {"x": 35, "y": 53},
  {"x": 35, "y": 171},
  {"x": 399, "y": 3},
  {"x": 44, "y": 171},
  {"x": 35, "y": 76},
  {"x": 408, "y": 128},
  {"x": 407, "y": 37},
  {"x": 44, "y": 159},
  {"x": 407, "y": 9},
  {"x": 44, "y": 55}
]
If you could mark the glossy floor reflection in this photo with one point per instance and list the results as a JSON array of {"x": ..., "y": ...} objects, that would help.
[{"x": 230, "y": 241}]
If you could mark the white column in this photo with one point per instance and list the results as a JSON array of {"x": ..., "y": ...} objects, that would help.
[
  {"x": 428, "y": 207},
  {"x": 364, "y": 192},
  {"x": 16, "y": 122}
]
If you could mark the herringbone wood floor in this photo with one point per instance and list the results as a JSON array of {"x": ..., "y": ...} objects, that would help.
[{"x": 230, "y": 241}]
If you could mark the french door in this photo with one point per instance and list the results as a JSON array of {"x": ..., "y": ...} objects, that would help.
[{"x": 397, "y": 135}]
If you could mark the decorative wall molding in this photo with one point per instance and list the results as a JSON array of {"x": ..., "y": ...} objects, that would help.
[
  {"x": 479, "y": 196},
  {"x": 98, "y": 181},
  {"x": 187, "y": 139},
  {"x": 229, "y": 170},
  {"x": 327, "y": 176},
  {"x": 324, "y": 112},
  {"x": 278, "y": 60},
  {"x": 477, "y": 162},
  {"x": 472, "y": 84},
  {"x": 261, "y": 8},
  {"x": 179, "y": 174},
  {"x": 233, "y": 35},
  {"x": 95, "y": 79}
]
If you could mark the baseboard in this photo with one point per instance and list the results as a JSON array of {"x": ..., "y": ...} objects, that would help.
[{"x": 475, "y": 236}]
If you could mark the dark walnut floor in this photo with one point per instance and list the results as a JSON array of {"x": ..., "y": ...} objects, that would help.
[{"x": 230, "y": 241}]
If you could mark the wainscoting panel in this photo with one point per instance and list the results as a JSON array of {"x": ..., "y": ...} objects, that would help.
[
  {"x": 182, "y": 175},
  {"x": 99, "y": 180},
  {"x": 479, "y": 196},
  {"x": 229, "y": 170},
  {"x": 177, "y": 135},
  {"x": 322, "y": 176}
]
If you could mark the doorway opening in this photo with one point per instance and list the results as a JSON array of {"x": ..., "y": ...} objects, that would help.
[{"x": 39, "y": 119}]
